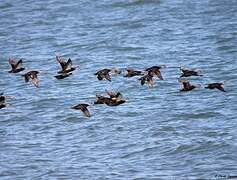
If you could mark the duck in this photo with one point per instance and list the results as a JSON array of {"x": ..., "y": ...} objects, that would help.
[
  {"x": 66, "y": 66},
  {"x": 219, "y": 86},
  {"x": 33, "y": 76},
  {"x": 155, "y": 70},
  {"x": 132, "y": 73},
  {"x": 147, "y": 78},
  {"x": 113, "y": 100},
  {"x": 106, "y": 73},
  {"x": 188, "y": 72},
  {"x": 83, "y": 108},
  {"x": 187, "y": 86},
  {"x": 103, "y": 74},
  {"x": 16, "y": 66},
  {"x": 101, "y": 99}
]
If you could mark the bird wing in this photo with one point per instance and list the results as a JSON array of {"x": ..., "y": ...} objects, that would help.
[
  {"x": 35, "y": 81},
  {"x": 110, "y": 93},
  {"x": 62, "y": 62},
  {"x": 12, "y": 63},
  {"x": 68, "y": 64},
  {"x": 221, "y": 88},
  {"x": 159, "y": 75},
  {"x": 19, "y": 64},
  {"x": 150, "y": 82},
  {"x": 86, "y": 112}
]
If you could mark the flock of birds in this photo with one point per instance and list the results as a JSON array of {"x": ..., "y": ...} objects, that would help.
[{"x": 114, "y": 98}]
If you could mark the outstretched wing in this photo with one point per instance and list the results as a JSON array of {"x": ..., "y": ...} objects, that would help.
[
  {"x": 62, "y": 62},
  {"x": 86, "y": 112},
  {"x": 150, "y": 83},
  {"x": 110, "y": 93},
  {"x": 68, "y": 64},
  {"x": 19, "y": 64},
  {"x": 35, "y": 81},
  {"x": 12, "y": 63},
  {"x": 221, "y": 88},
  {"x": 158, "y": 73}
]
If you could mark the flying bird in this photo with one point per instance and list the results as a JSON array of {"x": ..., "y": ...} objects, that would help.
[
  {"x": 66, "y": 66},
  {"x": 187, "y": 86},
  {"x": 132, "y": 73},
  {"x": 219, "y": 86},
  {"x": 113, "y": 100},
  {"x": 103, "y": 74},
  {"x": 188, "y": 72},
  {"x": 155, "y": 70},
  {"x": 101, "y": 99},
  {"x": 33, "y": 77},
  {"x": 83, "y": 108},
  {"x": 16, "y": 66}
]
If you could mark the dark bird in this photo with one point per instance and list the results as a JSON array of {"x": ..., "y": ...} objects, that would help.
[
  {"x": 66, "y": 66},
  {"x": 114, "y": 95},
  {"x": 147, "y": 78},
  {"x": 62, "y": 76},
  {"x": 187, "y": 86},
  {"x": 83, "y": 108},
  {"x": 16, "y": 66},
  {"x": 219, "y": 86},
  {"x": 132, "y": 72},
  {"x": 114, "y": 102},
  {"x": 103, "y": 74},
  {"x": 188, "y": 72},
  {"x": 101, "y": 99},
  {"x": 155, "y": 70},
  {"x": 2, "y": 101},
  {"x": 33, "y": 76}
]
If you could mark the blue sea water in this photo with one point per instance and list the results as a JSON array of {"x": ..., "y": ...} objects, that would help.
[{"x": 159, "y": 133}]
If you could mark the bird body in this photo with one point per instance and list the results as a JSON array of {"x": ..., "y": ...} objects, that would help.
[
  {"x": 113, "y": 100},
  {"x": 103, "y": 74},
  {"x": 188, "y": 72},
  {"x": 62, "y": 76},
  {"x": 187, "y": 86},
  {"x": 132, "y": 73},
  {"x": 219, "y": 86},
  {"x": 66, "y": 66}
]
